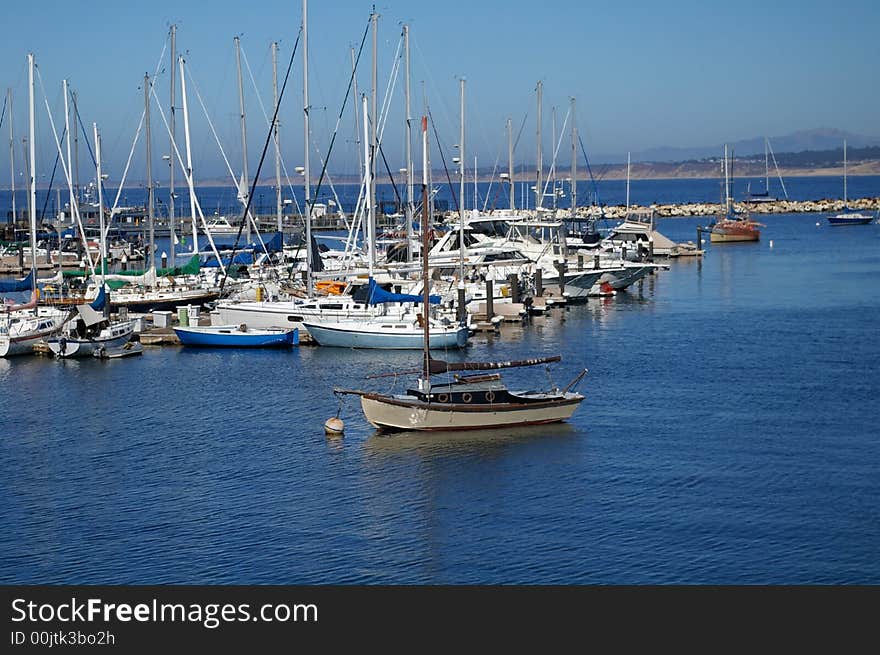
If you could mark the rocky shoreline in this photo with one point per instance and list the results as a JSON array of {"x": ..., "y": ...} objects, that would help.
[{"x": 708, "y": 209}]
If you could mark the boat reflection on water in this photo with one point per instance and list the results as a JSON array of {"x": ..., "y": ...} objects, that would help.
[{"x": 466, "y": 442}]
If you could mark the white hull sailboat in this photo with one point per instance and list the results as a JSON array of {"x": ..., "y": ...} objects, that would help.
[{"x": 386, "y": 334}]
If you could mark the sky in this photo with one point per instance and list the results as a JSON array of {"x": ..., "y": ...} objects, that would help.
[{"x": 644, "y": 75}]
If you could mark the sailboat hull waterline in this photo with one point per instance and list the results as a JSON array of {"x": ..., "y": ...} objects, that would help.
[{"x": 394, "y": 413}]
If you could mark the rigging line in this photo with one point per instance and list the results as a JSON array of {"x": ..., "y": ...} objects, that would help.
[
  {"x": 443, "y": 159},
  {"x": 51, "y": 183},
  {"x": 3, "y": 115},
  {"x": 187, "y": 173},
  {"x": 75, "y": 205},
  {"x": 589, "y": 168},
  {"x": 260, "y": 165},
  {"x": 491, "y": 182},
  {"x": 338, "y": 121},
  {"x": 220, "y": 145},
  {"x": 552, "y": 171}
]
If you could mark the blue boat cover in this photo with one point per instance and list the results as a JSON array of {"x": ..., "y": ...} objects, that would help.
[
  {"x": 18, "y": 285},
  {"x": 379, "y": 295},
  {"x": 100, "y": 300},
  {"x": 243, "y": 258}
]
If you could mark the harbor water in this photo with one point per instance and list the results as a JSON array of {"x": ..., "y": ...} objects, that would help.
[{"x": 729, "y": 435}]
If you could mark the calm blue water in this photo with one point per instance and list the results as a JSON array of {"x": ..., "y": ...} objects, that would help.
[
  {"x": 729, "y": 435},
  {"x": 223, "y": 200}
]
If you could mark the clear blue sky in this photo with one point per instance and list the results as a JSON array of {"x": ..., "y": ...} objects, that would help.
[{"x": 645, "y": 74}]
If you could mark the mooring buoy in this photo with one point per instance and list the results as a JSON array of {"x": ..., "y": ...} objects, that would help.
[{"x": 334, "y": 426}]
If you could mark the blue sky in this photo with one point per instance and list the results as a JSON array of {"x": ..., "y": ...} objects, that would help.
[{"x": 645, "y": 74}]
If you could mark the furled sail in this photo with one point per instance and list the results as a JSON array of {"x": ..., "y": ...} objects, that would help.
[
  {"x": 25, "y": 284},
  {"x": 378, "y": 295}
]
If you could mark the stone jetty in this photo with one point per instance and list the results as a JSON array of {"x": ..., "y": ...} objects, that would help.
[{"x": 709, "y": 209}]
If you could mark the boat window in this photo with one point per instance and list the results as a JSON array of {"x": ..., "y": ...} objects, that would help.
[
  {"x": 331, "y": 306},
  {"x": 294, "y": 319}
]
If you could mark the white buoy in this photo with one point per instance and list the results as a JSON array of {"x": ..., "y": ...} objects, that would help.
[{"x": 334, "y": 426}]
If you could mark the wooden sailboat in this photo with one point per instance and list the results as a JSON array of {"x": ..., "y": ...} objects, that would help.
[
  {"x": 733, "y": 226},
  {"x": 464, "y": 402}
]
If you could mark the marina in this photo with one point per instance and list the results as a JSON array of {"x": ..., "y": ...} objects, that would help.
[
  {"x": 360, "y": 356},
  {"x": 686, "y": 462}
]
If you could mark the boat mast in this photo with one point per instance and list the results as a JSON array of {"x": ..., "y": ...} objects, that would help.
[
  {"x": 476, "y": 193},
  {"x": 426, "y": 370},
  {"x": 510, "y": 163},
  {"x": 32, "y": 165},
  {"x": 306, "y": 145},
  {"x": 11, "y": 152},
  {"x": 628, "y": 163},
  {"x": 461, "y": 191},
  {"x": 244, "y": 188},
  {"x": 726, "y": 183},
  {"x": 277, "y": 140},
  {"x": 574, "y": 163},
  {"x": 766, "y": 167},
  {"x": 149, "y": 170},
  {"x": 539, "y": 194},
  {"x": 553, "y": 159},
  {"x": 189, "y": 182},
  {"x": 172, "y": 136},
  {"x": 410, "y": 208},
  {"x": 844, "y": 173},
  {"x": 76, "y": 187},
  {"x": 103, "y": 241},
  {"x": 371, "y": 217},
  {"x": 368, "y": 185}
]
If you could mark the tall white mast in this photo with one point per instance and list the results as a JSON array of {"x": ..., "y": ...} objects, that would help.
[
  {"x": 148, "y": 138},
  {"x": 844, "y": 173},
  {"x": 726, "y": 182},
  {"x": 574, "y": 186},
  {"x": 410, "y": 209},
  {"x": 539, "y": 191},
  {"x": 32, "y": 176},
  {"x": 11, "y": 152},
  {"x": 374, "y": 19},
  {"x": 368, "y": 173},
  {"x": 275, "y": 127},
  {"x": 476, "y": 209},
  {"x": 307, "y": 141},
  {"x": 766, "y": 166},
  {"x": 510, "y": 163},
  {"x": 244, "y": 190},
  {"x": 172, "y": 136},
  {"x": 461, "y": 152},
  {"x": 103, "y": 240},
  {"x": 553, "y": 144},
  {"x": 628, "y": 161},
  {"x": 189, "y": 169},
  {"x": 71, "y": 189}
]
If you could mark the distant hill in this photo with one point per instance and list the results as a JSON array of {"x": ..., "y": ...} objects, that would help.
[{"x": 820, "y": 139}]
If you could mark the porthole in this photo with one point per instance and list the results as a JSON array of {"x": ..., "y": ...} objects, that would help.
[
  {"x": 466, "y": 397},
  {"x": 442, "y": 397},
  {"x": 490, "y": 396}
]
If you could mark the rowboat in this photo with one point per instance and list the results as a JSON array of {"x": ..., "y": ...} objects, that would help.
[{"x": 237, "y": 336}]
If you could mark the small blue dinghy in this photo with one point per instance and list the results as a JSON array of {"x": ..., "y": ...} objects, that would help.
[{"x": 237, "y": 336}]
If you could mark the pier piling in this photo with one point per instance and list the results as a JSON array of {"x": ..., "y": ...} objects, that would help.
[{"x": 490, "y": 301}]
